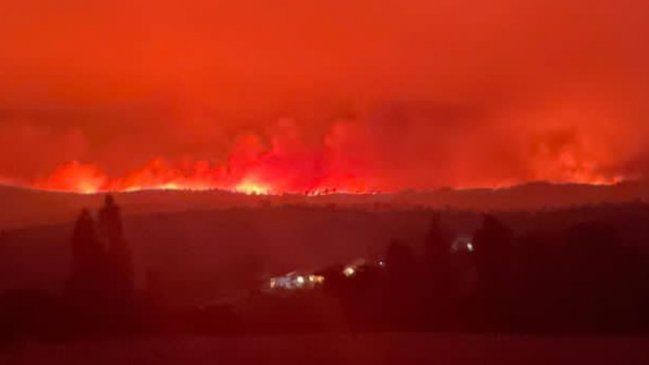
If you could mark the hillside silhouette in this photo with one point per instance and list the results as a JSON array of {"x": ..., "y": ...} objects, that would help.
[
  {"x": 211, "y": 254},
  {"x": 32, "y": 207},
  {"x": 297, "y": 269}
]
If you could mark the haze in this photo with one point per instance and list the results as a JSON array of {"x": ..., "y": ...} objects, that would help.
[{"x": 295, "y": 96}]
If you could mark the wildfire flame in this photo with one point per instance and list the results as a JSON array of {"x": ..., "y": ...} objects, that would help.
[
  {"x": 251, "y": 187},
  {"x": 89, "y": 179},
  {"x": 340, "y": 163}
]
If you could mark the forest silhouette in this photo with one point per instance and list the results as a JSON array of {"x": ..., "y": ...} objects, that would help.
[{"x": 583, "y": 279}]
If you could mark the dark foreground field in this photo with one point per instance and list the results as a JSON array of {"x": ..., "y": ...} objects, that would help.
[{"x": 340, "y": 349}]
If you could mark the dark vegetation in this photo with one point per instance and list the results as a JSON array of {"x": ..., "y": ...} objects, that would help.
[{"x": 578, "y": 270}]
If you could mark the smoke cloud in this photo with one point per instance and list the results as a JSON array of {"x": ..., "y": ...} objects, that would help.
[{"x": 296, "y": 96}]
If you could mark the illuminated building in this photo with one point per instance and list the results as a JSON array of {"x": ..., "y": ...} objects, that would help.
[{"x": 295, "y": 281}]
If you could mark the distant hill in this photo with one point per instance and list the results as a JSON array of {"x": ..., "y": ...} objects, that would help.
[
  {"x": 205, "y": 254},
  {"x": 24, "y": 207}
]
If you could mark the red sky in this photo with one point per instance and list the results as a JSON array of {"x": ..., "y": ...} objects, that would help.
[{"x": 294, "y": 95}]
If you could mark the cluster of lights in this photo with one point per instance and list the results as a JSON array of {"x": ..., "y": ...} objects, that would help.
[
  {"x": 352, "y": 270},
  {"x": 292, "y": 281}
]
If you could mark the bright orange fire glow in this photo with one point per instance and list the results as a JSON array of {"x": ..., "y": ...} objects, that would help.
[
  {"x": 261, "y": 179},
  {"x": 304, "y": 97},
  {"x": 251, "y": 187},
  {"x": 347, "y": 160}
]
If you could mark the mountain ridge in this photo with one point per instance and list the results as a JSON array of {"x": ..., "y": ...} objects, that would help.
[{"x": 34, "y": 207}]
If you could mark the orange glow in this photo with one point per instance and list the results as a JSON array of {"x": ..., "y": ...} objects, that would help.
[
  {"x": 75, "y": 177},
  {"x": 261, "y": 97},
  {"x": 256, "y": 170},
  {"x": 252, "y": 188}
]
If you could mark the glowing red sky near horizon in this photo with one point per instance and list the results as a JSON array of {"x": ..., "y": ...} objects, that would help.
[{"x": 296, "y": 96}]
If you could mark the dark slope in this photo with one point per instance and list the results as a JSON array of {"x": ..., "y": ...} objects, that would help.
[
  {"x": 202, "y": 254},
  {"x": 23, "y": 207}
]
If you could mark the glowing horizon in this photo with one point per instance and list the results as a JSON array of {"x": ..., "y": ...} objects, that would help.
[
  {"x": 80, "y": 178},
  {"x": 311, "y": 98}
]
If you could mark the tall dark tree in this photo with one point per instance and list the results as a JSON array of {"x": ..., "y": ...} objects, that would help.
[
  {"x": 400, "y": 261},
  {"x": 88, "y": 278},
  {"x": 604, "y": 279},
  {"x": 437, "y": 260},
  {"x": 402, "y": 289},
  {"x": 119, "y": 254},
  {"x": 493, "y": 243},
  {"x": 100, "y": 288},
  {"x": 110, "y": 223}
]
